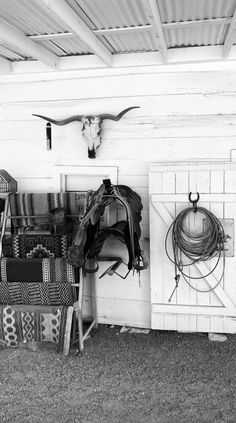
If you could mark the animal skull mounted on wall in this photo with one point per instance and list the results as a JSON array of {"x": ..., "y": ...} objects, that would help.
[{"x": 91, "y": 128}]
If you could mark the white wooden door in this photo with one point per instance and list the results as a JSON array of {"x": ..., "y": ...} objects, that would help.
[{"x": 191, "y": 309}]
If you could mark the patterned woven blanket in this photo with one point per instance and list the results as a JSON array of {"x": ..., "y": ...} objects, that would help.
[
  {"x": 36, "y": 270},
  {"x": 37, "y": 281},
  {"x": 36, "y": 246},
  {"x": 34, "y": 293},
  {"x": 31, "y": 204},
  {"x": 28, "y": 324}
]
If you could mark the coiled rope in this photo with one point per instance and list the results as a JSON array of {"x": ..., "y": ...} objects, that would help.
[{"x": 191, "y": 245}]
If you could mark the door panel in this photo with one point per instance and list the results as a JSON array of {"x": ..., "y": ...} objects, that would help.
[{"x": 189, "y": 309}]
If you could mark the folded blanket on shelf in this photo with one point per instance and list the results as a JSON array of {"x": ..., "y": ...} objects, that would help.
[
  {"x": 31, "y": 204},
  {"x": 36, "y": 270},
  {"x": 30, "y": 324},
  {"x": 37, "y": 293},
  {"x": 35, "y": 246}
]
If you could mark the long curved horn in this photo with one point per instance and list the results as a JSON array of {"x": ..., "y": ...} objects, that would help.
[
  {"x": 119, "y": 116},
  {"x": 63, "y": 121}
]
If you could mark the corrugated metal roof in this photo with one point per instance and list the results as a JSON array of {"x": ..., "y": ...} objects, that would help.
[
  {"x": 30, "y": 17},
  {"x": 130, "y": 43},
  {"x": 193, "y": 10},
  {"x": 190, "y": 10},
  {"x": 11, "y": 54},
  {"x": 66, "y": 47},
  {"x": 184, "y": 23},
  {"x": 100, "y": 14},
  {"x": 202, "y": 36}
]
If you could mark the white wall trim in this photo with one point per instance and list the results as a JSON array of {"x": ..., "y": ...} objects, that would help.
[
  {"x": 102, "y": 172},
  {"x": 178, "y": 59}
]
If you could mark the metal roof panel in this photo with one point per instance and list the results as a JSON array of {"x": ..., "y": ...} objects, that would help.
[{"x": 33, "y": 18}]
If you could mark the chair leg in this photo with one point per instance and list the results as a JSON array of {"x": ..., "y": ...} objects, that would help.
[
  {"x": 80, "y": 326},
  {"x": 78, "y": 310},
  {"x": 94, "y": 300}
]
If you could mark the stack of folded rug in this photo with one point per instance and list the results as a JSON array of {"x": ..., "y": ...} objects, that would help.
[
  {"x": 36, "y": 296},
  {"x": 36, "y": 277}
]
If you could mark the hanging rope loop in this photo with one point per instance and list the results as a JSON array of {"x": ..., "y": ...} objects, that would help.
[{"x": 197, "y": 235}]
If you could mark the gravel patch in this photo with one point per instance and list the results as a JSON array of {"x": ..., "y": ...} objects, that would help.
[{"x": 162, "y": 377}]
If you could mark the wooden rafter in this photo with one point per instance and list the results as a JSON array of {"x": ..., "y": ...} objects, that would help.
[
  {"x": 52, "y": 36},
  {"x": 5, "y": 65},
  {"x": 75, "y": 24},
  {"x": 136, "y": 28},
  {"x": 103, "y": 31},
  {"x": 157, "y": 27},
  {"x": 229, "y": 37},
  {"x": 197, "y": 23},
  {"x": 13, "y": 37}
]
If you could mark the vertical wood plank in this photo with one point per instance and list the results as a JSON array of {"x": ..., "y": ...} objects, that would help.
[
  {"x": 217, "y": 181},
  {"x": 167, "y": 182},
  {"x": 203, "y": 324},
  {"x": 157, "y": 230},
  {"x": 182, "y": 182},
  {"x": 157, "y": 321},
  {"x": 170, "y": 322}
]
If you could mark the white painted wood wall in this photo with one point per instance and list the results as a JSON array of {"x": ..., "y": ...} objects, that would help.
[{"x": 187, "y": 112}]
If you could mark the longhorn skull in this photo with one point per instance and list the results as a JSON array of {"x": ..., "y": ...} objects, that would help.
[{"x": 91, "y": 128}]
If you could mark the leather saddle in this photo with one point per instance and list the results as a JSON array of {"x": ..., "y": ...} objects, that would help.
[{"x": 90, "y": 237}]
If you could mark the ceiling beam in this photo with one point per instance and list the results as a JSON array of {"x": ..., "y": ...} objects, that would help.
[
  {"x": 197, "y": 23},
  {"x": 123, "y": 30},
  {"x": 52, "y": 36},
  {"x": 103, "y": 31},
  {"x": 229, "y": 37},
  {"x": 135, "y": 28},
  {"x": 180, "y": 59},
  {"x": 166, "y": 26},
  {"x": 79, "y": 28},
  {"x": 10, "y": 36},
  {"x": 157, "y": 28},
  {"x": 5, "y": 65}
]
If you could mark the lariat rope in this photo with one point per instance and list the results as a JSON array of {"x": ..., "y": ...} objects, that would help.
[{"x": 193, "y": 246}]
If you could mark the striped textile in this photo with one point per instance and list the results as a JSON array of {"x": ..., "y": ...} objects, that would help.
[
  {"x": 37, "y": 293},
  {"x": 31, "y": 204}
]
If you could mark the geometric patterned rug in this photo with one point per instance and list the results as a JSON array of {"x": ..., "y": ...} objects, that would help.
[
  {"x": 36, "y": 324},
  {"x": 36, "y": 246}
]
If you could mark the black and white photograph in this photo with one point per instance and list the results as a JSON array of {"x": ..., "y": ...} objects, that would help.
[{"x": 117, "y": 211}]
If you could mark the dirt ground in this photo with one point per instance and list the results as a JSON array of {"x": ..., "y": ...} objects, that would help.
[{"x": 162, "y": 377}]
